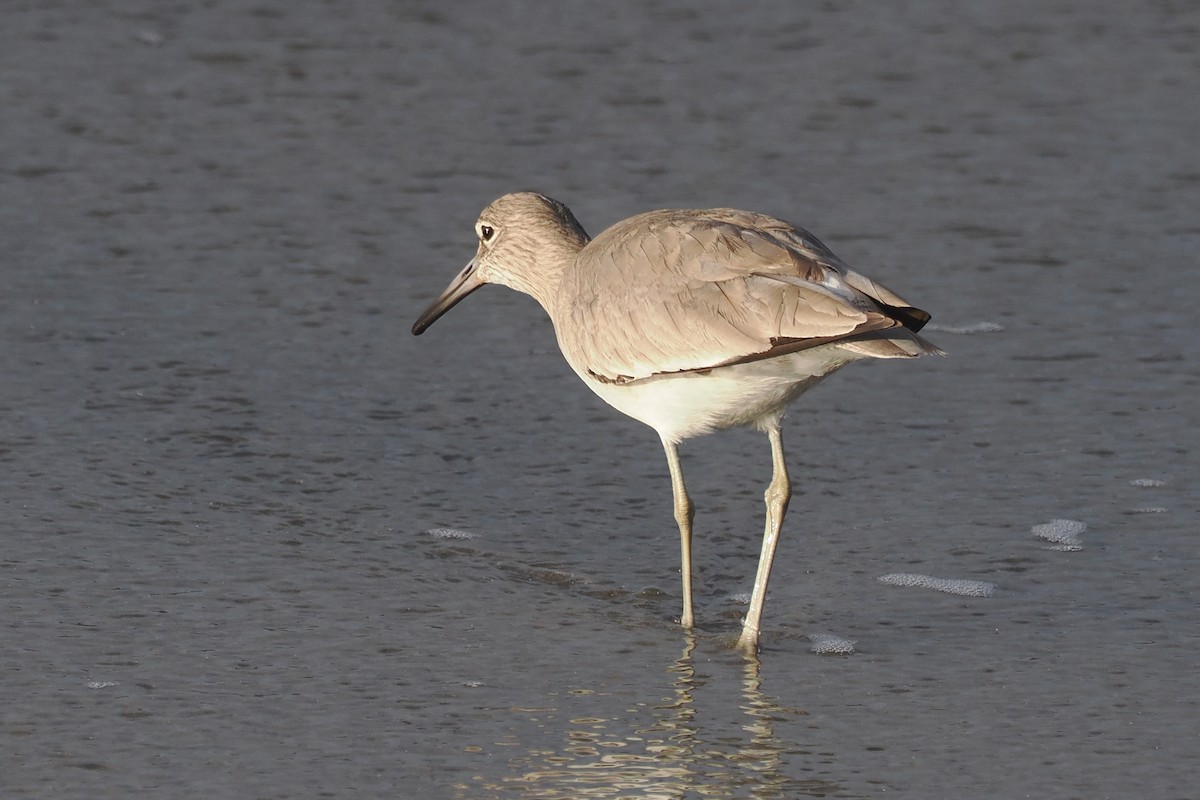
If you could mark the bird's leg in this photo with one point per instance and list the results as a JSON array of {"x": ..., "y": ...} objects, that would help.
[
  {"x": 778, "y": 493},
  {"x": 684, "y": 511}
]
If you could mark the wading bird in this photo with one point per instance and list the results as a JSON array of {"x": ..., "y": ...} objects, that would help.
[{"x": 692, "y": 321}]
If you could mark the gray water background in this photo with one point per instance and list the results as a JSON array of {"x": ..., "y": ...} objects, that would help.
[{"x": 222, "y": 454}]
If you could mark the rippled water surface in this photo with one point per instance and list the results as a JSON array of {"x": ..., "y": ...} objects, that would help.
[{"x": 260, "y": 542}]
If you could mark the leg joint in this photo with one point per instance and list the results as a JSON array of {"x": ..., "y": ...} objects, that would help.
[
  {"x": 685, "y": 510},
  {"x": 778, "y": 491}
]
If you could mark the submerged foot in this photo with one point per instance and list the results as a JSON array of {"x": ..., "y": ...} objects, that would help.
[{"x": 748, "y": 642}]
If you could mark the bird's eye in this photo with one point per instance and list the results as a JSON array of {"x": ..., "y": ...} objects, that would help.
[{"x": 486, "y": 232}]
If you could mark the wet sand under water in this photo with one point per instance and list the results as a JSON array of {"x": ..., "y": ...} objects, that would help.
[{"x": 260, "y": 542}]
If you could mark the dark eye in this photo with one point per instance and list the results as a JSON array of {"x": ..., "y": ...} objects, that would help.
[{"x": 486, "y": 232}]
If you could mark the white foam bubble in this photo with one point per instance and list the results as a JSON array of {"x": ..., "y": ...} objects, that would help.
[
  {"x": 1149, "y": 510},
  {"x": 961, "y": 586},
  {"x": 1147, "y": 483},
  {"x": 449, "y": 533},
  {"x": 740, "y": 597},
  {"x": 827, "y": 644},
  {"x": 101, "y": 684},
  {"x": 965, "y": 329},
  {"x": 1063, "y": 532}
]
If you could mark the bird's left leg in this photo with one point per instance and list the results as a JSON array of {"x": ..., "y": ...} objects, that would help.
[{"x": 778, "y": 493}]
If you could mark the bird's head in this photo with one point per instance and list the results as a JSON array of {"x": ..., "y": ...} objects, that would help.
[{"x": 525, "y": 240}]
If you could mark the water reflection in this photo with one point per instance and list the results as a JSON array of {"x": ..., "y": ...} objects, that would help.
[{"x": 668, "y": 751}]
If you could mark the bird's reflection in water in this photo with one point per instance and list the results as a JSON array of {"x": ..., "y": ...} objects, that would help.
[{"x": 674, "y": 754}]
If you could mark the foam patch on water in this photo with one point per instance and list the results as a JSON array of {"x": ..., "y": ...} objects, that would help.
[
  {"x": 1148, "y": 510},
  {"x": 1147, "y": 483},
  {"x": 1064, "y": 533},
  {"x": 827, "y": 644},
  {"x": 101, "y": 684},
  {"x": 449, "y": 533},
  {"x": 964, "y": 587},
  {"x": 965, "y": 329},
  {"x": 741, "y": 597}
]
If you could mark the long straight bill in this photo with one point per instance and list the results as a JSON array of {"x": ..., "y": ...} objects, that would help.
[{"x": 463, "y": 284}]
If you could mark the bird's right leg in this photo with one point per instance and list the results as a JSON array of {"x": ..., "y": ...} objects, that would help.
[{"x": 684, "y": 512}]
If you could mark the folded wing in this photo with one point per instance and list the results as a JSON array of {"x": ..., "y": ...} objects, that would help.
[{"x": 678, "y": 291}]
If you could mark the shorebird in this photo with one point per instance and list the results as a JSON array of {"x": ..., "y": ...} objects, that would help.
[{"x": 692, "y": 321}]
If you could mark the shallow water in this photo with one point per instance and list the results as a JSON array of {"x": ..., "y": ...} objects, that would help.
[{"x": 261, "y": 542}]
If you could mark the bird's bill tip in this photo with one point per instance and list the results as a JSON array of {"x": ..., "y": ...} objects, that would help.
[{"x": 463, "y": 284}]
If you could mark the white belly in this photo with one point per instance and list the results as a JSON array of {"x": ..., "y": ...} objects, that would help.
[{"x": 692, "y": 404}]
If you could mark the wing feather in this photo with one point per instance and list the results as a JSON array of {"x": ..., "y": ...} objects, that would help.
[{"x": 674, "y": 291}]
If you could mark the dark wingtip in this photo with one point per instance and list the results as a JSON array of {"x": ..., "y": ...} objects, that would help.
[{"x": 912, "y": 318}]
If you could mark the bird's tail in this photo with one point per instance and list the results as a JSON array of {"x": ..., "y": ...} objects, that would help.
[{"x": 895, "y": 342}]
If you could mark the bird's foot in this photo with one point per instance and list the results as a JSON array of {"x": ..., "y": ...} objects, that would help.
[{"x": 747, "y": 643}]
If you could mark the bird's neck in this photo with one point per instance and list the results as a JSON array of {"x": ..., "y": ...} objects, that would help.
[{"x": 548, "y": 265}]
